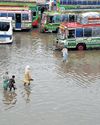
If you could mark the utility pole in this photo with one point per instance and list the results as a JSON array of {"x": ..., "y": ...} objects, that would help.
[{"x": 50, "y": 5}]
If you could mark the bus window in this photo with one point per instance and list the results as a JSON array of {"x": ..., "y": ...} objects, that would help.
[
  {"x": 25, "y": 17},
  {"x": 71, "y": 18},
  {"x": 4, "y": 26},
  {"x": 87, "y": 32},
  {"x": 71, "y": 34},
  {"x": 50, "y": 19},
  {"x": 11, "y": 15},
  {"x": 33, "y": 13},
  {"x": 3, "y": 15},
  {"x": 56, "y": 19},
  {"x": 62, "y": 34},
  {"x": 64, "y": 18},
  {"x": 96, "y": 32},
  {"x": 79, "y": 32}
]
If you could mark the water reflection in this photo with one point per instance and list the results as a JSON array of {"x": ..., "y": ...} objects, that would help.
[
  {"x": 26, "y": 93},
  {"x": 9, "y": 99}
]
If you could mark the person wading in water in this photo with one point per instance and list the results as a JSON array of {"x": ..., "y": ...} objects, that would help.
[
  {"x": 27, "y": 76},
  {"x": 6, "y": 81}
]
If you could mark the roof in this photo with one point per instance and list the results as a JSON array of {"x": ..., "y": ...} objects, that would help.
[
  {"x": 77, "y": 25},
  {"x": 13, "y": 8}
]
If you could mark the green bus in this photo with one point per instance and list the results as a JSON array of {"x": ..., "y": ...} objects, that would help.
[
  {"x": 79, "y": 36},
  {"x": 51, "y": 20}
]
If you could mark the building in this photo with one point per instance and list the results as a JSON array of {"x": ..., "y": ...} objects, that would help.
[{"x": 80, "y": 2}]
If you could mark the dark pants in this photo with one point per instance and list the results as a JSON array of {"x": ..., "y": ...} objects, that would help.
[{"x": 12, "y": 86}]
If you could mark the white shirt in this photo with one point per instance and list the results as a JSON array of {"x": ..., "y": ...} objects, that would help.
[{"x": 65, "y": 51}]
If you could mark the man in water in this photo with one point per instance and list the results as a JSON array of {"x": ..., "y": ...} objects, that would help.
[{"x": 65, "y": 54}]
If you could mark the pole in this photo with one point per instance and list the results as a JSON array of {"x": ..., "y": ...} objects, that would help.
[{"x": 50, "y": 5}]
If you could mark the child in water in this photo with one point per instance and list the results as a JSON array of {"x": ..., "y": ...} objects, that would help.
[
  {"x": 12, "y": 83},
  {"x": 27, "y": 76}
]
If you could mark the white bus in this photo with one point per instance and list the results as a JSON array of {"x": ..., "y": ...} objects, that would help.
[
  {"x": 6, "y": 30},
  {"x": 21, "y": 16}
]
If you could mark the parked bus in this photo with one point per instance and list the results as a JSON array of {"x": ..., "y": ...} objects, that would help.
[
  {"x": 47, "y": 23},
  {"x": 79, "y": 36},
  {"x": 51, "y": 20},
  {"x": 30, "y": 5},
  {"x": 6, "y": 30},
  {"x": 21, "y": 17}
]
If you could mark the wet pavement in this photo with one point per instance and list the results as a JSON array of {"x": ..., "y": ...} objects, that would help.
[{"x": 61, "y": 93}]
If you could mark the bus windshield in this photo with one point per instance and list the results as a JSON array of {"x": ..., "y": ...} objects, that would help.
[
  {"x": 4, "y": 26},
  {"x": 62, "y": 34},
  {"x": 54, "y": 19}
]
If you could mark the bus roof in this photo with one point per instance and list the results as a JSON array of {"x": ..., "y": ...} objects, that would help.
[
  {"x": 77, "y": 25},
  {"x": 81, "y": 10},
  {"x": 13, "y": 8},
  {"x": 18, "y": 3}
]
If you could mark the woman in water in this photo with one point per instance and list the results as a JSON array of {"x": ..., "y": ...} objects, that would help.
[
  {"x": 65, "y": 54},
  {"x": 6, "y": 81}
]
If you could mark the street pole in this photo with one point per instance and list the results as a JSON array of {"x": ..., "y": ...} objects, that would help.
[{"x": 50, "y": 5}]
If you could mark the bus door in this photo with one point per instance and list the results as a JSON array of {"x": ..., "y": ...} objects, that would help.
[{"x": 18, "y": 21}]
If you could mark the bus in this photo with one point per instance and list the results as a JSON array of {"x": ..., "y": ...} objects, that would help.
[
  {"x": 50, "y": 22},
  {"x": 21, "y": 17},
  {"x": 79, "y": 36},
  {"x": 51, "y": 19},
  {"x": 6, "y": 30},
  {"x": 30, "y": 5}
]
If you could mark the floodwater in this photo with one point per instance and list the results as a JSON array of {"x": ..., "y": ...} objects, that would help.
[{"x": 61, "y": 93}]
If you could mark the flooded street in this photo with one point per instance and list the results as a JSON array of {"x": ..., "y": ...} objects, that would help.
[{"x": 61, "y": 93}]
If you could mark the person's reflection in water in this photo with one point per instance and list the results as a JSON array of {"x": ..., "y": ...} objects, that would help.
[
  {"x": 27, "y": 93},
  {"x": 9, "y": 97}
]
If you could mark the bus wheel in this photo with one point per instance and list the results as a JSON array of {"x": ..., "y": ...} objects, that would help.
[{"x": 81, "y": 46}]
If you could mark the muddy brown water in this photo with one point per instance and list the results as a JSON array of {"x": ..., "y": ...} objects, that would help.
[{"x": 61, "y": 93}]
